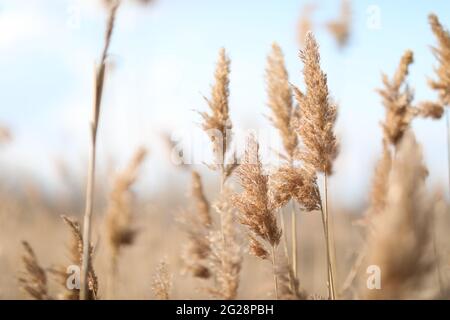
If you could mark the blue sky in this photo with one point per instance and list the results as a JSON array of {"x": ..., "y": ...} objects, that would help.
[{"x": 163, "y": 61}]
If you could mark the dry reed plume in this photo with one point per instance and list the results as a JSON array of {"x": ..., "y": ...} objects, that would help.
[
  {"x": 119, "y": 215},
  {"x": 401, "y": 238},
  {"x": 211, "y": 252},
  {"x": 225, "y": 258},
  {"x": 399, "y": 235},
  {"x": 442, "y": 54},
  {"x": 76, "y": 259},
  {"x": 315, "y": 126},
  {"x": 380, "y": 181},
  {"x": 5, "y": 135},
  {"x": 220, "y": 249},
  {"x": 254, "y": 204},
  {"x": 256, "y": 211},
  {"x": 299, "y": 184},
  {"x": 317, "y": 113},
  {"x": 287, "y": 285},
  {"x": 197, "y": 223},
  {"x": 341, "y": 27},
  {"x": 442, "y": 82},
  {"x": 280, "y": 102},
  {"x": 217, "y": 123},
  {"x": 305, "y": 23},
  {"x": 200, "y": 201},
  {"x": 162, "y": 282},
  {"x": 398, "y": 102},
  {"x": 34, "y": 279},
  {"x": 290, "y": 183}
]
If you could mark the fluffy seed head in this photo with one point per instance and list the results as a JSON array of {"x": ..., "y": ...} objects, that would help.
[
  {"x": 305, "y": 23},
  {"x": 226, "y": 257},
  {"x": 317, "y": 114},
  {"x": 295, "y": 183},
  {"x": 254, "y": 205},
  {"x": 5, "y": 135},
  {"x": 119, "y": 213},
  {"x": 34, "y": 278},
  {"x": 397, "y": 100},
  {"x": 257, "y": 249},
  {"x": 400, "y": 242},
  {"x": 280, "y": 99},
  {"x": 197, "y": 223},
  {"x": 201, "y": 203},
  {"x": 380, "y": 181},
  {"x": 429, "y": 109},
  {"x": 341, "y": 27},
  {"x": 217, "y": 122},
  {"x": 76, "y": 258},
  {"x": 162, "y": 282},
  {"x": 442, "y": 54}
]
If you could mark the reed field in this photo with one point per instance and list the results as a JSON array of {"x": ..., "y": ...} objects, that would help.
[{"x": 229, "y": 208}]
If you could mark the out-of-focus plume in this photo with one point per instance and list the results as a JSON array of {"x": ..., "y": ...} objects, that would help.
[
  {"x": 280, "y": 99},
  {"x": 197, "y": 223},
  {"x": 305, "y": 23},
  {"x": 162, "y": 282},
  {"x": 400, "y": 242},
  {"x": 226, "y": 257},
  {"x": 119, "y": 213},
  {"x": 398, "y": 102},
  {"x": 442, "y": 54},
  {"x": 217, "y": 123},
  {"x": 5, "y": 135},
  {"x": 340, "y": 28},
  {"x": 34, "y": 279}
]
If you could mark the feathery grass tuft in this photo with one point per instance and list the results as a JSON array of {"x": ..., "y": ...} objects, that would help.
[
  {"x": 197, "y": 223},
  {"x": 400, "y": 244},
  {"x": 119, "y": 214},
  {"x": 380, "y": 181},
  {"x": 280, "y": 99},
  {"x": 162, "y": 282},
  {"x": 201, "y": 203},
  {"x": 442, "y": 54},
  {"x": 5, "y": 135},
  {"x": 217, "y": 123},
  {"x": 295, "y": 183},
  {"x": 76, "y": 258},
  {"x": 341, "y": 27},
  {"x": 256, "y": 211},
  {"x": 225, "y": 258},
  {"x": 315, "y": 126},
  {"x": 398, "y": 102},
  {"x": 317, "y": 113},
  {"x": 34, "y": 278},
  {"x": 305, "y": 23}
]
